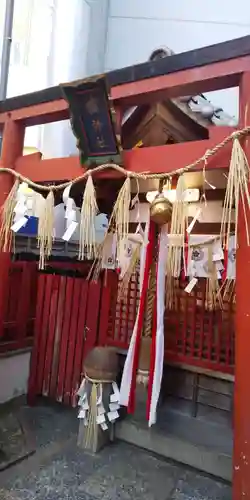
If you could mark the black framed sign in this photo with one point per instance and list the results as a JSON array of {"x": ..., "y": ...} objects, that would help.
[{"x": 93, "y": 120}]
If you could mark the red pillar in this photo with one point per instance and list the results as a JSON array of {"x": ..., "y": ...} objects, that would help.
[
  {"x": 12, "y": 148},
  {"x": 241, "y": 462}
]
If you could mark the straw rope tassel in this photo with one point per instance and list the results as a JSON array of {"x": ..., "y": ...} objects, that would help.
[
  {"x": 87, "y": 243},
  {"x": 120, "y": 214},
  {"x": 91, "y": 430},
  {"x": 227, "y": 290},
  {"x": 213, "y": 298},
  {"x": 45, "y": 229},
  {"x": 237, "y": 189},
  {"x": 176, "y": 241},
  {"x": 7, "y": 217}
]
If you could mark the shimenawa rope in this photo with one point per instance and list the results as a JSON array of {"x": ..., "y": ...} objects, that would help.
[{"x": 144, "y": 176}]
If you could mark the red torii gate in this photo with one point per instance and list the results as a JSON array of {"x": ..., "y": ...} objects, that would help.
[{"x": 211, "y": 68}]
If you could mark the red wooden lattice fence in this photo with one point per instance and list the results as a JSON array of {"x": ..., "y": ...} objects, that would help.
[
  {"x": 193, "y": 335},
  {"x": 121, "y": 316},
  {"x": 67, "y": 318},
  {"x": 20, "y": 307},
  {"x": 199, "y": 337},
  {"x": 73, "y": 315}
]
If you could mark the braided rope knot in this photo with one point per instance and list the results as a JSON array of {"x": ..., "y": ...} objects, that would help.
[
  {"x": 237, "y": 134},
  {"x": 129, "y": 174},
  {"x": 207, "y": 155}
]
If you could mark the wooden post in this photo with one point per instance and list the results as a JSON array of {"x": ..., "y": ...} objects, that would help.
[
  {"x": 241, "y": 462},
  {"x": 12, "y": 148}
]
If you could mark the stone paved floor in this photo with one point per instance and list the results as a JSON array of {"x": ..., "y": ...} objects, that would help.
[{"x": 60, "y": 471}]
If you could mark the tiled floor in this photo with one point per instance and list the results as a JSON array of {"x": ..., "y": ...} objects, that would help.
[{"x": 60, "y": 471}]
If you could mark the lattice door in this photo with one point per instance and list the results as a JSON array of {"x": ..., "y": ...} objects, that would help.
[{"x": 193, "y": 335}]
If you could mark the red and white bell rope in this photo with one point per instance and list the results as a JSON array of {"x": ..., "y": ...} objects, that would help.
[
  {"x": 128, "y": 383},
  {"x": 157, "y": 349}
]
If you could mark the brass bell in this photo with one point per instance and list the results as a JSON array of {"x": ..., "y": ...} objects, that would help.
[{"x": 161, "y": 210}]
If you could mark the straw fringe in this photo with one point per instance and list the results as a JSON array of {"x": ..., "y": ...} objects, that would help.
[
  {"x": 45, "y": 230},
  {"x": 7, "y": 218},
  {"x": 87, "y": 243},
  {"x": 237, "y": 189},
  {"x": 91, "y": 434},
  {"x": 118, "y": 224},
  {"x": 213, "y": 298},
  {"x": 120, "y": 215},
  {"x": 227, "y": 290},
  {"x": 176, "y": 242}
]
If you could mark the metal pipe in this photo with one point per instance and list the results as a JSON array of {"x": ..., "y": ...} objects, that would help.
[{"x": 7, "y": 39}]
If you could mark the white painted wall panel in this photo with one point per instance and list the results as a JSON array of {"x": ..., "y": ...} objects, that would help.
[
  {"x": 77, "y": 50},
  {"x": 136, "y": 28},
  {"x": 66, "y": 62},
  {"x": 14, "y": 372},
  {"x": 131, "y": 41},
  {"x": 218, "y": 11}
]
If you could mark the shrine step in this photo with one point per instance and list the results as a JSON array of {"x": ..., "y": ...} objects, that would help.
[{"x": 182, "y": 446}]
